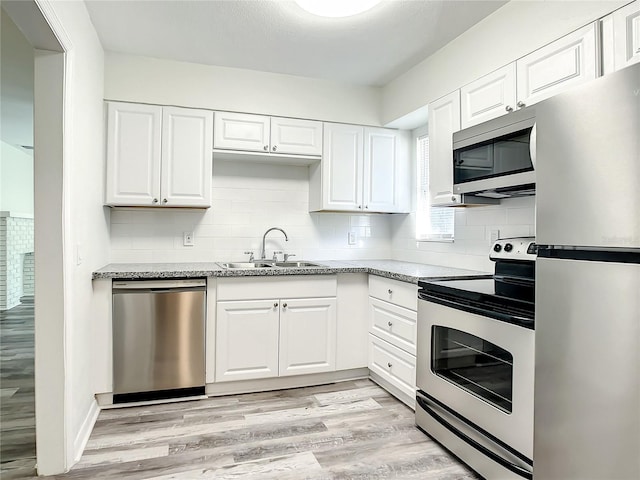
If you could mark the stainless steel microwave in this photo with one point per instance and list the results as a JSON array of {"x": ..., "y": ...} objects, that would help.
[{"x": 496, "y": 159}]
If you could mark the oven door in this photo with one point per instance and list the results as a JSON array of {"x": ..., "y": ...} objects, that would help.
[{"x": 480, "y": 368}]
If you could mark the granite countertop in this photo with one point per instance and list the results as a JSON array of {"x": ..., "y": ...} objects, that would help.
[{"x": 394, "y": 269}]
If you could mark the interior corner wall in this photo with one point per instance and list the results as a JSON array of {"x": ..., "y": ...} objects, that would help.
[
  {"x": 141, "y": 79},
  {"x": 86, "y": 220},
  {"x": 512, "y": 31}
]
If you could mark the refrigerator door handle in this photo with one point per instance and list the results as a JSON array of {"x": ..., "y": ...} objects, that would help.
[{"x": 481, "y": 448}]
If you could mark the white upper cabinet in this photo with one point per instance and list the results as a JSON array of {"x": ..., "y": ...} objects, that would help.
[
  {"x": 133, "y": 154},
  {"x": 386, "y": 170},
  {"x": 275, "y": 135},
  {"x": 297, "y": 137},
  {"x": 363, "y": 169},
  {"x": 186, "y": 157},
  {"x": 553, "y": 68},
  {"x": 158, "y": 156},
  {"x": 444, "y": 119},
  {"x": 621, "y": 38},
  {"x": 489, "y": 97},
  {"x": 342, "y": 166},
  {"x": 241, "y": 131}
]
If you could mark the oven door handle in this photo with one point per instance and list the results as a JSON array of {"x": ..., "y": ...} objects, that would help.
[
  {"x": 484, "y": 450},
  {"x": 503, "y": 317}
]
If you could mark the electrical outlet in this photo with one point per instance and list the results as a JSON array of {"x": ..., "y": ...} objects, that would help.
[
  {"x": 495, "y": 235},
  {"x": 79, "y": 254},
  {"x": 188, "y": 240},
  {"x": 352, "y": 238}
]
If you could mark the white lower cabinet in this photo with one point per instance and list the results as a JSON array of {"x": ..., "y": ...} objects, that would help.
[
  {"x": 247, "y": 340},
  {"x": 394, "y": 366},
  {"x": 392, "y": 336},
  {"x": 307, "y": 336},
  {"x": 289, "y": 333}
]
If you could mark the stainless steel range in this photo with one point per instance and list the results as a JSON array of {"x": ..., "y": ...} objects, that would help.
[{"x": 475, "y": 363}]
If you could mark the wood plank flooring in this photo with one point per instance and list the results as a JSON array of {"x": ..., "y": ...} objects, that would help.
[
  {"x": 17, "y": 398},
  {"x": 349, "y": 430}
]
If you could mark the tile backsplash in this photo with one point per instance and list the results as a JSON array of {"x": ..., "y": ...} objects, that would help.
[
  {"x": 247, "y": 200},
  {"x": 513, "y": 217}
]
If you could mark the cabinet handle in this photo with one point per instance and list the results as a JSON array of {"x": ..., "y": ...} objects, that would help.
[
  {"x": 390, "y": 324},
  {"x": 520, "y": 104},
  {"x": 155, "y": 200},
  {"x": 453, "y": 198},
  {"x": 266, "y": 148},
  {"x": 275, "y": 305},
  {"x": 274, "y": 148},
  {"x": 284, "y": 305},
  {"x": 389, "y": 365},
  {"x": 164, "y": 200},
  {"x": 509, "y": 108},
  {"x": 360, "y": 207},
  {"x": 367, "y": 207},
  {"x": 390, "y": 291}
]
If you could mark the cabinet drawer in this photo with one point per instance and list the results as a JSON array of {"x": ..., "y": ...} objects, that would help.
[
  {"x": 393, "y": 365},
  {"x": 393, "y": 291},
  {"x": 394, "y": 324}
]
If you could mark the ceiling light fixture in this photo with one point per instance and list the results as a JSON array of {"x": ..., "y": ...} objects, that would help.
[{"x": 336, "y": 8}]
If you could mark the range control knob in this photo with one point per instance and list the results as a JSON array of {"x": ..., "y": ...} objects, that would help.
[
  {"x": 508, "y": 247},
  {"x": 497, "y": 247}
]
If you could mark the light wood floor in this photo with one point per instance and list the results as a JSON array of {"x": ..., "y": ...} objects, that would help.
[
  {"x": 350, "y": 430},
  {"x": 17, "y": 399}
]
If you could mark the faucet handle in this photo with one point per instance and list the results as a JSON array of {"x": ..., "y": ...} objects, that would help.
[
  {"x": 250, "y": 253},
  {"x": 288, "y": 255},
  {"x": 275, "y": 255}
]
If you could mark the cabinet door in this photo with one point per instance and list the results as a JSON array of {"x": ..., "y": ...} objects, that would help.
[
  {"x": 488, "y": 97},
  {"x": 307, "y": 336},
  {"x": 444, "y": 119},
  {"x": 386, "y": 165},
  {"x": 241, "y": 131},
  {"x": 553, "y": 68},
  {"x": 247, "y": 340},
  {"x": 621, "y": 38},
  {"x": 187, "y": 143},
  {"x": 298, "y": 137},
  {"x": 133, "y": 154},
  {"x": 342, "y": 165}
]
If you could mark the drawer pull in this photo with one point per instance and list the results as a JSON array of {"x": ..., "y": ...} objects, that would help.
[
  {"x": 275, "y": 305},
  {"x": 390, "y": 324},
  {"x": 390, "y": 291},
  {"x": 389, "y": 365}
]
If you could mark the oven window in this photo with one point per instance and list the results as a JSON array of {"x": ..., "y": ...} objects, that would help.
[{"x": 474, "y": 364}]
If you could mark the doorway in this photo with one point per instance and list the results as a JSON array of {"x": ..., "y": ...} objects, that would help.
[{"x": 17, "y": 267}]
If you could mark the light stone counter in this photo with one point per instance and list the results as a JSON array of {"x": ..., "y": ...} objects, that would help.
[{"x": 394, "y": 269}]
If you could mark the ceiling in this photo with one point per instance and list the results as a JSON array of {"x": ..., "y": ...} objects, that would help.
[{"x": 278, "y": 36}]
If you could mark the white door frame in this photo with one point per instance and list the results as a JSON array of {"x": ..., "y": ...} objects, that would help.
[{"x": 37, "y": 20}]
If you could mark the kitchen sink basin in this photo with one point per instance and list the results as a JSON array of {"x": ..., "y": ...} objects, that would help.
[
  {"x": 296, "y": 264},
  {"x": 239, "y": 265}
]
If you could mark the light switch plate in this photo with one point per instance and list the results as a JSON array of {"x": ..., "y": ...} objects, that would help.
[
  {"x": 352, "y": 238},
  {"x": 188, "y": 240},
  {"x": 495, "y": 235}
]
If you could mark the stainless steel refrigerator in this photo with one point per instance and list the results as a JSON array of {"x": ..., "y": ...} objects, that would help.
[{"x": 587, "y": 375}]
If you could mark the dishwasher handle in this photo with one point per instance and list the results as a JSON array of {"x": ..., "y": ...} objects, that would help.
[{"x": 156, "y": 285}]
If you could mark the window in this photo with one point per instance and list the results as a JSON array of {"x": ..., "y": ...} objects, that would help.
[{"x": 432, "y": 223}]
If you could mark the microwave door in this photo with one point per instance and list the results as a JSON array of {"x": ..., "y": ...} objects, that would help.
[{"x": 474, "y": 163}]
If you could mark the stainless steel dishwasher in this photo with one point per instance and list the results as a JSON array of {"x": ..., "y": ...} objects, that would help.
[{"x": 158, "y": 339}]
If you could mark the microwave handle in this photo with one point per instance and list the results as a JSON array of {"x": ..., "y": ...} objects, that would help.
[{"x": 532, "y": 146}]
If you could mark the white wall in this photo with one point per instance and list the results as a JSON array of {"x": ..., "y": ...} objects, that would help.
[
  {"x": 85, "y": 219},
  {"x": 247, "y": 200},
  {"x": 16, "y": 180},
  {"x": 167, "y": 82},
  {"x": 514, "y": 30}
]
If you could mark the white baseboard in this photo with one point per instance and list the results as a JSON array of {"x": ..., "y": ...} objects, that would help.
[
  {"x": 85, "y": 431},
  {"x": 393, "y": 390}
]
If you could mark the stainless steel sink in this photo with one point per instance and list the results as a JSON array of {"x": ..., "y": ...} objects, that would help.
[
  {"x": 243, "y": 265},
  {"x": 296, "y": 264}
]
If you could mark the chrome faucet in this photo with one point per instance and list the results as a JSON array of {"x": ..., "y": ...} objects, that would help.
[{"x": 263, "y": 256}]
